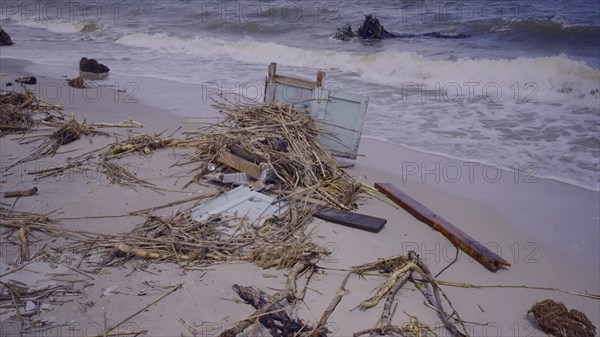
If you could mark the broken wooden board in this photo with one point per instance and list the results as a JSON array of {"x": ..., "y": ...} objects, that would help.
[
  {"x": 351, "y": 219},
  {"x": 463, "y": 241},
  {"x": 240, "y": 164}
]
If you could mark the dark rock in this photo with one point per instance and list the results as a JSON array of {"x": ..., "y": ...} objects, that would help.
[
  {"x": 344, "y": 33},
  {"x": 372, "y": 29},
  {"x": 9, "y": 84},
  {"x": 92, "y": 66},
  {"x": 27, "y": 80},
  {"x": 5, "y": 39}
]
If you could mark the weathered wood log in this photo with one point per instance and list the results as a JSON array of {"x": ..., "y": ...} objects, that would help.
[
  {"x": 351, "y": 219},
  {"x": 24, "y": 193},
  {"x": 463, "y": 241}
]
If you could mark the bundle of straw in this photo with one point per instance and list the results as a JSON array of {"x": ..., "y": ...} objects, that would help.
[
  {"x": 286, "y": 139},
  {"x": 17, "y": 111}
]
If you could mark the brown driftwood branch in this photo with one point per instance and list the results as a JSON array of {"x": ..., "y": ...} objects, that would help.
[
  {"x": 279, "y": 323},
  {"x": 463, "y": 241},
  {"x": 267, "y": 307},
  {"x": 446, "y": 319},
  {"x": 332, "y": 305},
  {"x": 24, "y": 193}
]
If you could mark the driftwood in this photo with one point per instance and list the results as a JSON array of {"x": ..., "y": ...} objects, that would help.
[
  {"x": 399, "y": 269},
  {"x": 332, "y": 305},
  {"x": 463, "y": 241},
  {"x": 278, "y": 323},
  {"x": 267, "y": 307},
  {"x": 271, "y": 314},
  {"x": 24, "y": 193}
]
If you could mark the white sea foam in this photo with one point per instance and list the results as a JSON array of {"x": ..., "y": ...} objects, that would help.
[
  {"x": 63, "y": 27},
  {"x": 554, "y": 78},
  {"x": 563, "y": 104}
]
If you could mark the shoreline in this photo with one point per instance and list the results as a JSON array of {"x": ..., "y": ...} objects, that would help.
[
  {"x": 524, "y": 194},
  {"x": 489, "y": 212},
  {"x": 523, "y": 173},
  {"x": 180, "y": 107}
]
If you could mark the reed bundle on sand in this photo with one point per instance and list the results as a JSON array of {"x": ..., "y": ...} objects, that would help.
[
  {"x": 17, "y": 111},
  {"x": 66, "y": 133},
  {"x": 283, "y": 138},
  {"x": 180, "y": 239},
  {"x": 119, "y": 174},
  {"x": 142, "y": 144}
]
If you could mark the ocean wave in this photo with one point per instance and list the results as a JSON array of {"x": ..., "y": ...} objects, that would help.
[
  {"x": 544, "y": 27},
  {"x": 63, "y": 27},
  {"x": 554, "y": 77}
]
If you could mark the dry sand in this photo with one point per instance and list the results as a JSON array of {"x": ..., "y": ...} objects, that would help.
[{"x": 548, "y": 231}]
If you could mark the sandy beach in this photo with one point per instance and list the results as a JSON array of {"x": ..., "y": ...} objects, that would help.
[{"x": 547, "y": 230}]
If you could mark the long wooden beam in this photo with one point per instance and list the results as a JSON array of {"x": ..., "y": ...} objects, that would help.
[{"x": 463, "y": 241}]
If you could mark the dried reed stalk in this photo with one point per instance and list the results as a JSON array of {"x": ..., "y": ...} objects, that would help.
[
  {"x": 142, "y": 144},
  {"x": 67, "y": 132},
  {"x": 18, "y": 109}
]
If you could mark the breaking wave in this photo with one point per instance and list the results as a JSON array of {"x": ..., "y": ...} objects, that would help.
[
  {"x": 65, "y": 27},
  {"x": 555, "y": 78}
]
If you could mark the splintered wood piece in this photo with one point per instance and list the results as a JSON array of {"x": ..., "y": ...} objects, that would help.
[
  {"x": 351, "y": 219},
  {"x": 240, "y": 164},
  {"x": 25, "y": 193},
  {"x": 463, "y": 241}
]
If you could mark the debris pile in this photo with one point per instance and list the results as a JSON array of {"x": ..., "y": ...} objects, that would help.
[{"x": 281, "y": 138}]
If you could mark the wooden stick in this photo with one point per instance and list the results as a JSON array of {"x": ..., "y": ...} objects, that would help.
[
  {"x": 122, "y": 333},
  {"x": 266, "y": 309},
  {"x": 477, "y": 286},
  {"x": 23, "y": 193},
  {"x": 144, "y": 308},
  {"x": 463, "y": 241},
  {"x": 24, "y": 244},
  {"x": 331, "y": 307},
  {"x": 425, "y": 272}
]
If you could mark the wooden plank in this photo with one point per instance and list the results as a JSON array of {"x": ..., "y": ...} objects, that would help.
[
  {"x": 272, "y": 72},
  {"x": 463, "y": 241},
  {"x": 294, "y": 81},
  {"x": 320, "y": 78},
  {"x": 351, "y": 219},
  {"x": 240, "y": 164}
]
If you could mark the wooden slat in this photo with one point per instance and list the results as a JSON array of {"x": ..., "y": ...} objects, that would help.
[
  {"x": 463, "y": 241},
  {"x": 240, "y": 164},
  {"x": 351, "y": 219},
  {"x": 300, "y": 82}
]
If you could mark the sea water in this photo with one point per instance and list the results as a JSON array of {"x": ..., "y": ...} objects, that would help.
[{"x": 522, "y": 91}]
